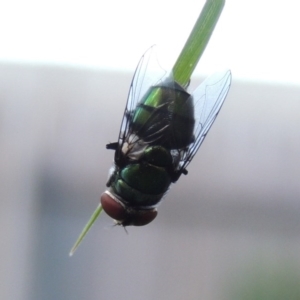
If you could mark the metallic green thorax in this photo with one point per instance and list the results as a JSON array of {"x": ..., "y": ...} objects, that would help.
[
  {"x": 164, "y": 120},
  {"x": 143, "y": 183}
]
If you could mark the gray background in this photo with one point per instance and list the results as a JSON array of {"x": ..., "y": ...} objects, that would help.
[{"x": 228, "y": 230}]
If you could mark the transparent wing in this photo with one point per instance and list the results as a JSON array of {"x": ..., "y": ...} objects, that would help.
[
  {"x": 148, "y": 72},
  {"x": 208, "y": 100}
]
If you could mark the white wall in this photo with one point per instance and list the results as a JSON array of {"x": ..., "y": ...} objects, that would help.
[{"x": 256, "y": 39}]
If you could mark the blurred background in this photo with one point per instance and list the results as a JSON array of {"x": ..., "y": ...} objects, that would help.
[{"x": 228, "y": 230}]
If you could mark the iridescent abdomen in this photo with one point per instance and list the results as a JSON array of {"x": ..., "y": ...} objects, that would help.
[{"x": 165, "y": 116}]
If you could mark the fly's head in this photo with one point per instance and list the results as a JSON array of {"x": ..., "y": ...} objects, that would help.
[{"x": 123, "y": 215}]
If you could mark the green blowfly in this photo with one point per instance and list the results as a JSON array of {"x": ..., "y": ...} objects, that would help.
[{"x": 162, "y": 129}]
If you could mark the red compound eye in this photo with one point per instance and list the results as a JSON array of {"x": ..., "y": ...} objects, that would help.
[
  {"x": 143, "y": 217},
  {"x": 129, "y": 216},
  {"x": 113, "y": 208}
]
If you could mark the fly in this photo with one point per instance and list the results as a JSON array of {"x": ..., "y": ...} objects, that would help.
[{"x": 162, "y": 129}]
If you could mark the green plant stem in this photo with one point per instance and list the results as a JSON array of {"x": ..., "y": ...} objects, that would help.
[
  {"x": 197, "y": 41},
  {"x": 87, "y": 227}
]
